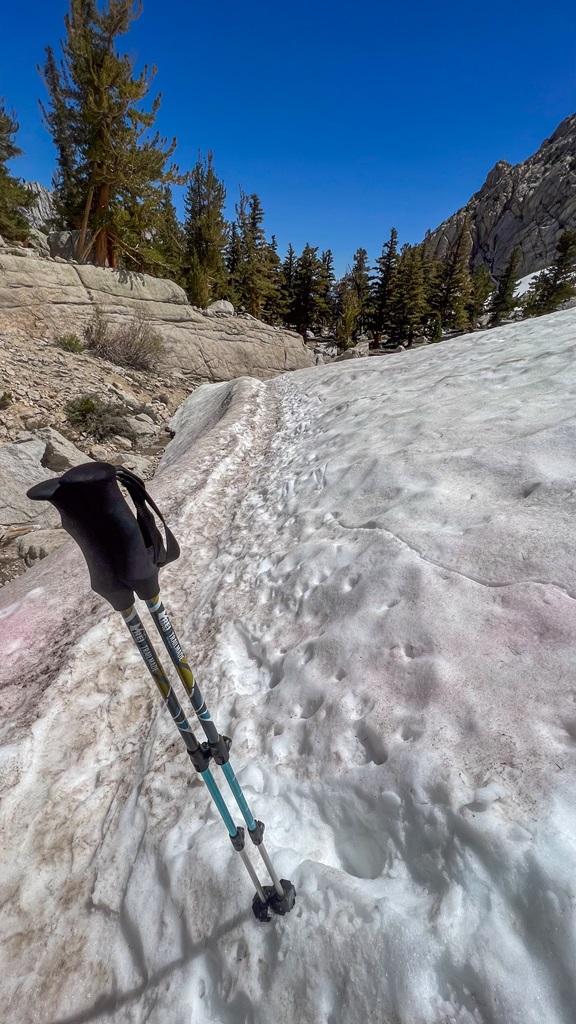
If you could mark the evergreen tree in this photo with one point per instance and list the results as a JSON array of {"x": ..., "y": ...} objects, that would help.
[
  {"x": 273, "y": 308},
  {"x": 255, "y": 273},
  {"x": 205, "y": 234},
  {"x": 482, "y": 288},
  {"x": 287, "y": 279},
  {"x": 13, "y": 195},
  {"x": 348, "y": 310},
  {"x": 409, "y": 301},
  {"x": 432, "y": 271},
  {"x": 382, "y": 286},
  {"x": 233, "y": 264},
  {"x": 110, "y": 170},
  {"x": 360, "y": 281},
  {"x": 503, "y": 301},
  {"x": 454, "y": 285},
  {"x": 308, "y": 306},
  {"x": 168, "y": 241},
  {"x": 556, "y": 285},
  {"x": 326, "y": 299}
]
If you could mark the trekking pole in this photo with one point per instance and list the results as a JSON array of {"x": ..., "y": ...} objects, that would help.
[
  {"x": 124, "y": 554},
  {"x": 219, "y": 745}
]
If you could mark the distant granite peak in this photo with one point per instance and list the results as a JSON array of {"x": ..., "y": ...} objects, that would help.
[{"x": 525, "y": 206}]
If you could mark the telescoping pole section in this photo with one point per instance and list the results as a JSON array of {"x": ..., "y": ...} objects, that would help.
[
  {"x": 219, "y": 745},
  {"x": 198, "y": 755}
]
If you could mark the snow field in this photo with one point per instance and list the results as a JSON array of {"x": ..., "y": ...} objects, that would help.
[{"x": 377, "y": 591}]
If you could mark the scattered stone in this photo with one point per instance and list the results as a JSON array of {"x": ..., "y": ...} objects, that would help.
[
  {"x": 40, "y": 543},
  {"x": 123, "y": 443},
  {"x": 60, "y": 454},
  {"x": 99, "y": 453}
]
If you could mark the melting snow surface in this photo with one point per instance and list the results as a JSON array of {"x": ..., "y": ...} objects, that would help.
[{"x": 377, "y": 590}]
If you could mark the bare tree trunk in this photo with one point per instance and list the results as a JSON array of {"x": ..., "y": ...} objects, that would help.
[
  {"x": 101, "y": 247},
  {"x": 81, "y": 246}
]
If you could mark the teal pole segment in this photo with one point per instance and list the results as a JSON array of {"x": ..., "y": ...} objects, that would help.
[
  {"x": 239, "y": 795},
  {"x": 219, "y": 801}
]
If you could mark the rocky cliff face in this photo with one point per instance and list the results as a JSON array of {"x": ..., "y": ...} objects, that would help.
[
  {"x": 49, "y": 297},
  {"x": 526, "y": 206}
]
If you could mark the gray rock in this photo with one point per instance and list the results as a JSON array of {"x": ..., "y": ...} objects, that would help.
[
  {"x": 21, "y": 468},
  {"x": 527, "y": 206},
  {"x": 63, "y": 244},
  {"x": 39, "y": 241},
  {"x": 59, "y": 453},
  {"x": 144, "y": 429},
  {"x": 221, "y": 306},
  {"x": 137, "y": 463},
  {"x": 123, "y": 443}
]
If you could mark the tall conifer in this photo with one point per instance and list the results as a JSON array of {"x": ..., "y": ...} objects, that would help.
[
  {"x": 382, "y": 287},
  {"x": 503, "y": 301},
  {"x": 454, "y": 285},
  {"x": 205, "y": 234},
  {"x": 110, "y": 169}
]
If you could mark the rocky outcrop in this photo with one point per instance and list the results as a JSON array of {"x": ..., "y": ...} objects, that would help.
[
  {"x": 42, "y": 211},
  {"x": 49, "y": 298},
  {"x": 527, "y": 206}
]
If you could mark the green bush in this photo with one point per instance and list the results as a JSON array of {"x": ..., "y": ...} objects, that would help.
[
  {"x": 70, "y": 343},
  {"x": 6, "y": 399},
  {"x": 135, "y": 344},
  {"x": 91, "y": 414}
]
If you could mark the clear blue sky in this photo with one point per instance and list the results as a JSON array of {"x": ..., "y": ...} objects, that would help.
[{"x": 345, "y": 118}]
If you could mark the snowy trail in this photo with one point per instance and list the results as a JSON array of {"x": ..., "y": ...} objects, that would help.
[{"x": 377, "y": 590}]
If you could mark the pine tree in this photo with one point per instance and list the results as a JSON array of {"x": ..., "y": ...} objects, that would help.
[
  {"x": 308, "y": 306},
  {"x": 556, "y": 285},
  {"x": 382, "y": 287},
  {"x": 233, "y": 264},
  {"x": 168, "y": 242},
  {"x": 503, "y": 301},
  {"x": 347, "y": 310},
  {"x": 273, "y": 307},
  {"x": 326, "y": 298},
  {"x": 287, "y": 277},
  {"x": 205, "y": 234},
  {"x": 409, "y": 307},
  {"x": 110, "y": 169},
  {"x": 13, "y": 195},
  {"x": 255, "y": 272},
  {"x": 454, "y": 285},
  {"x": 360, "y": 281},
  {"x": 482, "y": 288}
]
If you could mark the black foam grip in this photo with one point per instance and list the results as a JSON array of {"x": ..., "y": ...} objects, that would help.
[{"x": 95, "y": 513}]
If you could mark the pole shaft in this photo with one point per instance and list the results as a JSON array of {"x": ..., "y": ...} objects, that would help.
[{"x": 178, "y": 658}]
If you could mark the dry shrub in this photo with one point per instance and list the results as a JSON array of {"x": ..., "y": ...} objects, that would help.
[{"x": 135, "y": 344}]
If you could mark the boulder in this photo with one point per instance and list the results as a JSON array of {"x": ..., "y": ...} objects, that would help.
[
  {"x": 221, "y": 306},
  {"x": 63, "y": 244},
  {"x": 21, "y": 468},
  {"x": 39, "y": 242},
  {"x": 44, "y": 298},
  {"x": 59, "y": 453}
]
